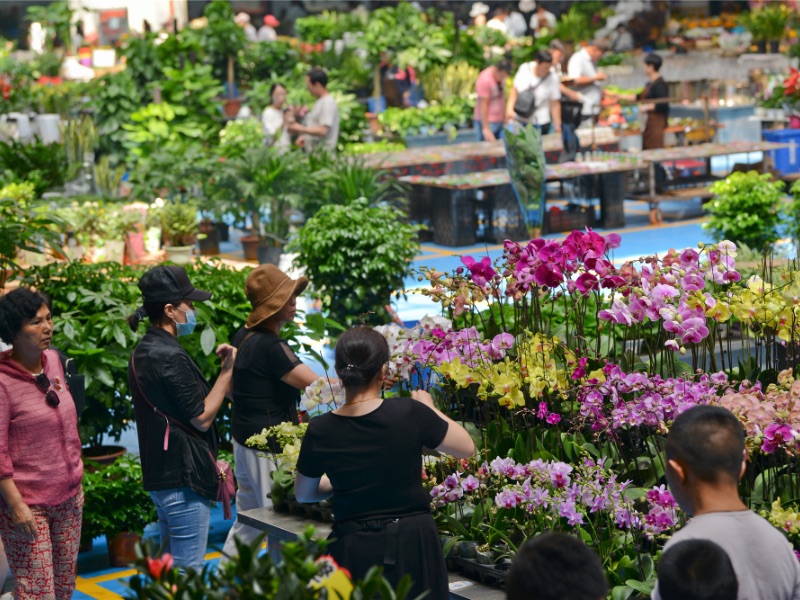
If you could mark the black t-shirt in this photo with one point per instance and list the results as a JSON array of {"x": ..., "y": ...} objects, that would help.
[
  {"x": 260, "y": 398},
  {"x": 374, "y": 461},
  {"x": 657, "y": 89},
  {"x": 171, "y": 381}
]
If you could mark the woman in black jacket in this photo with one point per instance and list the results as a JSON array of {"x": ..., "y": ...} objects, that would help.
[{"x": 175, "y": 410}]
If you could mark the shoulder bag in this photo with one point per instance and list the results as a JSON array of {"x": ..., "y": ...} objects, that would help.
[
  {"x": 525, "y": 105},
  {"x": 227, "y": 483}
]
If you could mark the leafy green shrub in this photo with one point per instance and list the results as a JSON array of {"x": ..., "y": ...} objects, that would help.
[
  {"x": 115, "y": 501},
  {"x": 22, "y": 227},
  {"x": 745, "y": 209},
  {"x": 260, "y": 61},
  {"x": 239, "y": 137},
  {"x": 253, "y": 574},
  {"x": 356, "y": 257},
  {"x": 44, "y": 165},
  {"x": 114, "y": 99},
  {"x": 792, "y": 213},
  {"x": 456, "y": 112}
]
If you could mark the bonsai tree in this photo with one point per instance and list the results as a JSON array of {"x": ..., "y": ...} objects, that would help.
[{"x": 357, "y": 256}]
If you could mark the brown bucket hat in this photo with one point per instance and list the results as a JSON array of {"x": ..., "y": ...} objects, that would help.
[{"x": 268, "y": 289}]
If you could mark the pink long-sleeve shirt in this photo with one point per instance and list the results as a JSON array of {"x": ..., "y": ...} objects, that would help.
[{"x": 39, "y": 444}]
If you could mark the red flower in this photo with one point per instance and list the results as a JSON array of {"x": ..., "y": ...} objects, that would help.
[
  {"x": 791, "y": 85},
  {"x": 159, "y": 566}
]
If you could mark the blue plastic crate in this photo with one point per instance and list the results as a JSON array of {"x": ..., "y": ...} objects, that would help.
[{"x": 785, "y": 160}]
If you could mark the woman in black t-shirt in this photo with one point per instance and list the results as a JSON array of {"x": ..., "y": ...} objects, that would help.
[
  {"x": 267, "y": 379},
  {"x": 367, "y": 454}
]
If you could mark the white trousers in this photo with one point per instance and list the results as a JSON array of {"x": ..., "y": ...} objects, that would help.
[{"x": 253, "y": 481}]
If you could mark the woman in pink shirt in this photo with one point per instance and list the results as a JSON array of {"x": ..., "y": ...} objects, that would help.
[
  {"x": 41, "y": 501},
  {"x": 490, "y": 109}
]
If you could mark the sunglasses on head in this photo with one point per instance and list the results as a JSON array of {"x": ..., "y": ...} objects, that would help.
[{"x": 44, "y": 385}]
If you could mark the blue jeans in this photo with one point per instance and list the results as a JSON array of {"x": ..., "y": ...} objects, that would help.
[
  {"x": 495, "y": 128},
  {"x": 183, "y": 517}
]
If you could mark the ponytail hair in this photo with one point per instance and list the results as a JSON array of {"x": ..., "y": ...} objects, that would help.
[
  {"x": 153, "y": 310},
  {"x": 361, "y": 353}
]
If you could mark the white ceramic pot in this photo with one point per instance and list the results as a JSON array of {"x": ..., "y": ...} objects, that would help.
[{"x": 180, "y": 255}]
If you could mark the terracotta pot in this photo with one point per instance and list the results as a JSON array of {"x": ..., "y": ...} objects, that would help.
[
  {"x": 97, "y": 456},
  {"x": 122, "y": 548},
  {"x": 231, "y": 106},
  {"x": 250, "y": 247},
  {"x": 209, "y": 245}
]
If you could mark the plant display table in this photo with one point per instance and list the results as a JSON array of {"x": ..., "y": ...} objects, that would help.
[
  {"x": 463, "y": 209},
  {"x": 282, "y": 527},
  {"x": 451, "y": 199},
  {"x": 478, "y": 156},
  {"x": 695, "y": 187}
]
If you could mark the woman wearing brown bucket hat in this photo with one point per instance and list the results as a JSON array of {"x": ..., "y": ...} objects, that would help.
[
  {"x": 267, "y": 380},
  {"x": 178, "y": 461}
]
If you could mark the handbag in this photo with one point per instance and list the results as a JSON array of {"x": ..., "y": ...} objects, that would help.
[
  {"x": 226, "y": 487},
  {"x": 525, "y": 105}
]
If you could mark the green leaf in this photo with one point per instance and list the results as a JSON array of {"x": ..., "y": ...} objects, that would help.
[{"x": 208, "y": 340}]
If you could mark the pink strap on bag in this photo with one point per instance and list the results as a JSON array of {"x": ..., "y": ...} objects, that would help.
[{"x": 226, "y": 487}]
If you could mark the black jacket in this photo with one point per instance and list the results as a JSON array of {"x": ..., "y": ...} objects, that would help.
[{"x": 171, "y": 381}]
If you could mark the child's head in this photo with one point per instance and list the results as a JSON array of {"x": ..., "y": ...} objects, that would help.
[
  {"x": 696, "y": 570},
  {"x": 705, "y": 444},
  {"x": 556, "y": 566}
]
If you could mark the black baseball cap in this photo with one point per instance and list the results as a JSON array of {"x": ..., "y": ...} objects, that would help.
[{"x": 168, "y": 284}]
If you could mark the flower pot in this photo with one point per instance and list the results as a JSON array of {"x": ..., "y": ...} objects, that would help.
[
  {"x": 761, "y": 46},
  {"x": 250, "y": 247},
  {"x": 96, "y": 456},
  {"x": 180, "y": 255},
  {"x": 134, "y": 248},
  {"x": 209, "y": 245},
  {"x": 122, "y": 548},
  {"x": 269, "y": 255},
  {"x": 484, "y": 558},
  {"x": 774, "y": 46},
  {"x": 223, "y": 231},
  {"x": 231, "y": 106},
  {"x": 113, "y": 250},
  {"x": 468, "y": 549}
]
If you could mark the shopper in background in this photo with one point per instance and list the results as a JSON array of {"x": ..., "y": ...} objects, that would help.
[
  {"x": 276, "y": 118},
  {"x": 584, "y": 77},
  {"x": 267, "y": 31},
  {"x": 490, "y": 109},
  {"x": 243, "y": 20},
  {"x": 320, "y": 128},
  {"x": 498, "y": 21},
  {"x": 41, "y": 501},
  {"x": 538, "y": 76},
  {"x": 516, "y": 24},
  {"x": 478, "y": 14},
  {"x": 542, "y": 20},
  {"x": 367, "y": 455},
  {"x": 267, "y": 380},
  {"x": 176, "y": 410},
  {"x": 658, "y": 112},
  {"x": 621, "y": 40}
]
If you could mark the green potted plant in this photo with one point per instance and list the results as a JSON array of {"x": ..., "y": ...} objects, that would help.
[
  {"x": 745, "y": 209},
  {"x": 222, "y": 39},
  {"x": 357, "y": 285},
  {"x": 179, "y": 230},
  {"x": 265, "y": 181},
  {"x": 117, "y": 506},
  {"x": 23, "y": 228}
]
